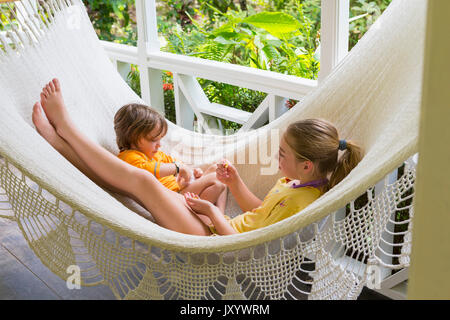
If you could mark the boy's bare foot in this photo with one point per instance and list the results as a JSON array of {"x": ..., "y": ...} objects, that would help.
[
  {"x": 43, "y": 126},
  {"x": 53, "y": 104}
]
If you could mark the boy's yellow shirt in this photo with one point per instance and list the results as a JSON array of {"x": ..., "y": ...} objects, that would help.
[
  {"x": 280, "y": 203},
  {"x": 140, "y": 160}
]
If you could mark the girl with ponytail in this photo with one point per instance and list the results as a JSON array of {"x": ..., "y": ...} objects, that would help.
[
  {"x": 316, "y": 142},
  {"x": 312, "y": 158}
]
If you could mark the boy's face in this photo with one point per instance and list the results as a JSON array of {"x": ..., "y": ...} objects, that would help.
[{"x": 149, "y": 144}]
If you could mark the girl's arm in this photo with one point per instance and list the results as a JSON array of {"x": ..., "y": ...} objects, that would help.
[
  {"x": 203, "y": 207},
  {"x": 227, "y": 174},
  {"x": 223, "y": 227},
  {"x": 244, "y": 197}
]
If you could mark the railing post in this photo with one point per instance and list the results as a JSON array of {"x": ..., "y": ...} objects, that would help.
[
  {"x": 183, "y": 112},
  {"x": 123, "y": 69},
  {"x": 276, "y": 107},
  {"x": 334, "y": 34},
  {"x": 151, "y": 79}
]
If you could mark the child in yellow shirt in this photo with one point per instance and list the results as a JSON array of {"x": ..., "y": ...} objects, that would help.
[
  {"x": 308, "y": 154},
  {"x": 139, "y": 130}
]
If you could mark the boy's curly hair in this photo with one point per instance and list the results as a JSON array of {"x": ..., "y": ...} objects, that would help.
[{"x": 135, "y": 121}]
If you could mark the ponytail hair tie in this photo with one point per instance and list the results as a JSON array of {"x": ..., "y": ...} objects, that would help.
[{"x": 342, "y": 145}]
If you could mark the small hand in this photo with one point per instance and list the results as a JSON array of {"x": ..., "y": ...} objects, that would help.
[
  {"x": 226, "y": 172},
  {"x": 198, "y": 173},
  {"x": 184, "y": 176}
]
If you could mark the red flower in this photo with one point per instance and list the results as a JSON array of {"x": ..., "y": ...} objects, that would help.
[
  {"x": 290, "y": 103},
  {"x": 167, "y": 86}
]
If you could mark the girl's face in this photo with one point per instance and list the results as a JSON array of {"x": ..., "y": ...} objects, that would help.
[
  {"x": 149, "y": 144},
  {"x": 288, "y": 163}
]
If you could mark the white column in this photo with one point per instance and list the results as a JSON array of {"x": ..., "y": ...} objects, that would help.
[
  {"x": 334, "y": 34},
  {"x": 429, "y": 276},
  {"x": 151, "y": 79}
]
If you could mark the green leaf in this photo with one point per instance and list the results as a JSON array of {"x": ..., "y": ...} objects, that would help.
[
  {"x": 271, "y": 52},
  {"x": 276, "y": 23},
  {"x": 300, "y": 51},
  {"x": 227, "y": 35},
  {"x": 228, "y": 27},
  {"x": 222, "y": 40},
  {"x": 275, "y": 43}
]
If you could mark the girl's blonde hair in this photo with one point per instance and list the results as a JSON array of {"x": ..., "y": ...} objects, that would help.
[
  {"x": 318, "y": 141},
  {"x": 135, "y": 121}
]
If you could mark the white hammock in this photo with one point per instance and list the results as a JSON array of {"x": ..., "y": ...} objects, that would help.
[{"x": 373, "y": 96}]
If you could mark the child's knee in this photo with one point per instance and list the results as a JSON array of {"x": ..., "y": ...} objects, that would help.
[
  {"x": 141, "y": 179},
  {"x": 211, "y": 169},
  {"x": 219, "y": 186}
]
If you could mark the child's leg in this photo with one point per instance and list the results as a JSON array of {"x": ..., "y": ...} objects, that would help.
[
  {"x": 222, "y": 199},
  {"x": 207, "y": 187},
  {"x": 49, "y": 133},
  {"x": 221, "y": 202},
  {"x": 211, "y": 169},
  {"x": 167, "y": 207}
]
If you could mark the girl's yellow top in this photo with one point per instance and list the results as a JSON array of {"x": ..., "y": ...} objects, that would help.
[{"x": 283, "y": 201}]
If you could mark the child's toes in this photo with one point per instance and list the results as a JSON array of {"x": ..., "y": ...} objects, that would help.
[
  {"x": 56, "y": 84},
  {"x": 36, "y": 110},
  {"x": 51, "y": 86}
]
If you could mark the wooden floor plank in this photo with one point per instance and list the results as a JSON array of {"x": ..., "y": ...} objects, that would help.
[
  {"x": 19, "y": 283},
  {"x": 16, "y": 248}
]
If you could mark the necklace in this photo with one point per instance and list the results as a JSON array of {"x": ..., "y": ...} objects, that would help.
[{"x": 315, "y": 184}]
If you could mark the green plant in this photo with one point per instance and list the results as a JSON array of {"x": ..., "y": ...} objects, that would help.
[
  {"x": 273, "y": 41},
  {"x": 6, "y": 20},
  {"x": 275, "y": 35},
  {"x": 178, "y": 11},
  {"x": 372, "y": 8},
  {"x": 113, "y": 20},
  {"x": 134, "y": 82}
]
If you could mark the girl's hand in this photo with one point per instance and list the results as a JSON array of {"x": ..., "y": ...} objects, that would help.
[
  {"x": 199, "y": 206},
  {"x": 198, "y": 173},
  {"x": 226, "y": 172}
]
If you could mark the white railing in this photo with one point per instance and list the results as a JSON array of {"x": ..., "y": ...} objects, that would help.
[{"x": 190, "y": 99}]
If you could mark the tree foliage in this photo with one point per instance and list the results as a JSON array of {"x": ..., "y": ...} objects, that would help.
[{"x": 277, "y": 35}]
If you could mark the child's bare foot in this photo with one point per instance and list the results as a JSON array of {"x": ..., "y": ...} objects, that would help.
[
  {"x": 203, "y": 208},
  {"x": 200, "y": 206},
  {"x": 53, "y": 104},
  {"x": 43, "y": 126}
]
